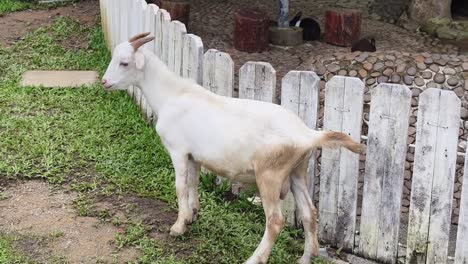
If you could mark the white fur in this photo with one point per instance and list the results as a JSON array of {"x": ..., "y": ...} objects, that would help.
[{"x": 198, "y": 127}]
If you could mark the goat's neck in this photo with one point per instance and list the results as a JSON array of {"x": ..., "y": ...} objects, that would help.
[{"x": 159, "y": 84}]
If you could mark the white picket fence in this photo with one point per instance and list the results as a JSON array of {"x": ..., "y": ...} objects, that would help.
[{"x": 435, "y": 153}]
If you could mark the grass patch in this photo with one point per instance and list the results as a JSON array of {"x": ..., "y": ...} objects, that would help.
[
  {"x": 8, "y": 254},
  {"x": 67, "y": 135},
  {"x": 8, "y": 6}
]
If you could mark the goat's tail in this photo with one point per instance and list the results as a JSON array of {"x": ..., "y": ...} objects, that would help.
[{"x": 332, "y": 139}]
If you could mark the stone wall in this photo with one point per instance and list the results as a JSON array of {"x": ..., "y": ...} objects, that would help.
[{"x": 418, "y": 72}]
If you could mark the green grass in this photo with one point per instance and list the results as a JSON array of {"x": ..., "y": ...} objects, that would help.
[
  {"x": 68, "y": 135},
  {"x": 8, "y": 255},
  {"x": 8, "y": 6}
]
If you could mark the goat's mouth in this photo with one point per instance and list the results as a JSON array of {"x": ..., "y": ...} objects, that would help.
[{"x": 108, "y": 87}]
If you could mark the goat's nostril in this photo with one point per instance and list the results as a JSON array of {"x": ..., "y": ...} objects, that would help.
[{"x": 104, "y": 81}]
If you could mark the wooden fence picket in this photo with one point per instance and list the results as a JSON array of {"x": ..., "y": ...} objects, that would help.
[
  {"x": 385, "y": 166},
  {"x": 162, "y": 19},
  {"x": 218, "y": 72},
  {"x": 152, "y": 12},
  {"x": 192, "y": 61},
  {"x": 300, "y": 94},
  {"x": 461, "y": 252},
  {"x": 340, "y": 168},
  {"x": 179, "y": 32},
  {"x": 257, "y": 81},
  {"x": 433, "y": 177}
]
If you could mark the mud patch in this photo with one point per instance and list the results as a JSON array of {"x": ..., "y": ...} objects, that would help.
[
  {"x": 14, "y": 26},
  {"x": 44, "y": 225}
]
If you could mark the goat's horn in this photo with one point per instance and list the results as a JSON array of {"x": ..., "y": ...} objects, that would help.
[
  {"x": 139, "y": 42},
  {"x": 138, "y": 36}
]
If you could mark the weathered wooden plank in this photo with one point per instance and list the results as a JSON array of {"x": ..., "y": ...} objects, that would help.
[
  {"x": 123, "y": 28},
  {"x": 218, "y": 72},
  {"x": 192, "y": 61},
  {"x": 166, "y": 40},
  {"x": 300, "y": 94},
  {"x": 257, "y": 81},
  {"x": 104, "y": 21},
  {"x": 340, "y": 167},
  {"x": 461, "y": 251},
  {"x": 162, "y": 18},
  {"x": 433, "y": 177},
  {"x": 179, "y": 32},
  {"x": 152, "y": 12},
  {"x": 385, "y": 165}
]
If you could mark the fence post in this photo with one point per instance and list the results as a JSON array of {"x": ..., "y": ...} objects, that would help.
[
  {"x": 192, "y": 61},
  {"x": 385, "y": 166},
  {"x": 257, "y": 81},
  {"x": 179, "y": 32},
  {"x": 340, "y": 168},
  {"x": 162, "y": 18},
  {"x": 153, "y": 11},
  {"x": 433, "y": 177},
  {"x": 461, "y": 251},
  {"x": 103, "y": 4},
  {"x": 300, "y": 94},
  {"x": 218, "y": 72}
]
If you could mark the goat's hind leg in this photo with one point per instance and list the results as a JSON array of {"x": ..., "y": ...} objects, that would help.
[
  {"x": 307, "y": 211},
  {"x": 269, "y": 186}
]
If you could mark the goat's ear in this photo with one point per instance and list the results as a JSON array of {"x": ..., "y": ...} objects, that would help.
[{"x": 139, "y": 60}]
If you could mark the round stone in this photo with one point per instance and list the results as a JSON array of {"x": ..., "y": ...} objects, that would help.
[
  {"x": 401, "y": 68},
  {"x": 333, "y": 67},
  {"x": 367, "y": 97},
  {"x": 396, "y": 78},
  {"x": 408, "y": 80},
  {"x": 427, "y": 75},
  {"x": 419, "y": 58},
  {"x": 419, "y": 81},
  {"x": 428, "y": 60},
  {"x": 452, "y": 81},
  {"x": 439, "y": 78},
  {"x": 436, "y": 56},
  {"x": 434, "y": 68},
  {"x": 372, "y": 59},
  {"x": 388, "y": 72},
  {"x": 378, "y": 66},
  {"x": 441, "y": 62},
  {"x": 370, "y": 81},
  {"x": 465, "y": 66},
  {"x": 368, "y": 66},
  {"x": 431, "y": 84},
  {"x": 353, "y": 73},
  {"x": 362, "y": 73},
  {"x": 449, "y": 71},
  {"x": 411, "y": 71},
  {"x": 382, "y": 79},
  {"x": 415, "y": 92},
  {"x": 321, "y": 70},
  {"x": 464, "y": 113},
  {"x": 459, "y": 91},
  {"x": 390, "y": 57},
  {"x": 389, "y": 63},
  {"x": 421, "y": 66},
  {"x": 375, "y": 74},
  {"x": 342, "y": 72}
]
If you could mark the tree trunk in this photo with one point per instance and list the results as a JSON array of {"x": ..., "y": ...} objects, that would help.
[{"x": 421, "y": 10}]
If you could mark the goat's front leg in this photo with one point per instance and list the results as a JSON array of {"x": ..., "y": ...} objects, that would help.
[
  {"x": 193, "y": 180},
  {"x": 181, "y": 166}
]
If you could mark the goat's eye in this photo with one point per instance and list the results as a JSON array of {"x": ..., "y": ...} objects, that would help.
[{"x": 124, "y": 64}]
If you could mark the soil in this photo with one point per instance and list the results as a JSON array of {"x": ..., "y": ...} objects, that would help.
[
  {"x": 14, "y": 26},
  {"x": 45, "y": 226}
]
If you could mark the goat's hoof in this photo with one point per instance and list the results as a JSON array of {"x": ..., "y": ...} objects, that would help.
[
  {"x": 177, "y": 230},
  {"x": 304, "y": 260}
]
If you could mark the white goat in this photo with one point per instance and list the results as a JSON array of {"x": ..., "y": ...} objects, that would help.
[{"x": 244, "y": 140}]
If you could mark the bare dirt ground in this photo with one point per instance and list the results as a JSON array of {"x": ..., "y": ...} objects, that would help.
[
  {"x": 45, "y": 226},
  {"x": 14, "y": 26}
]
